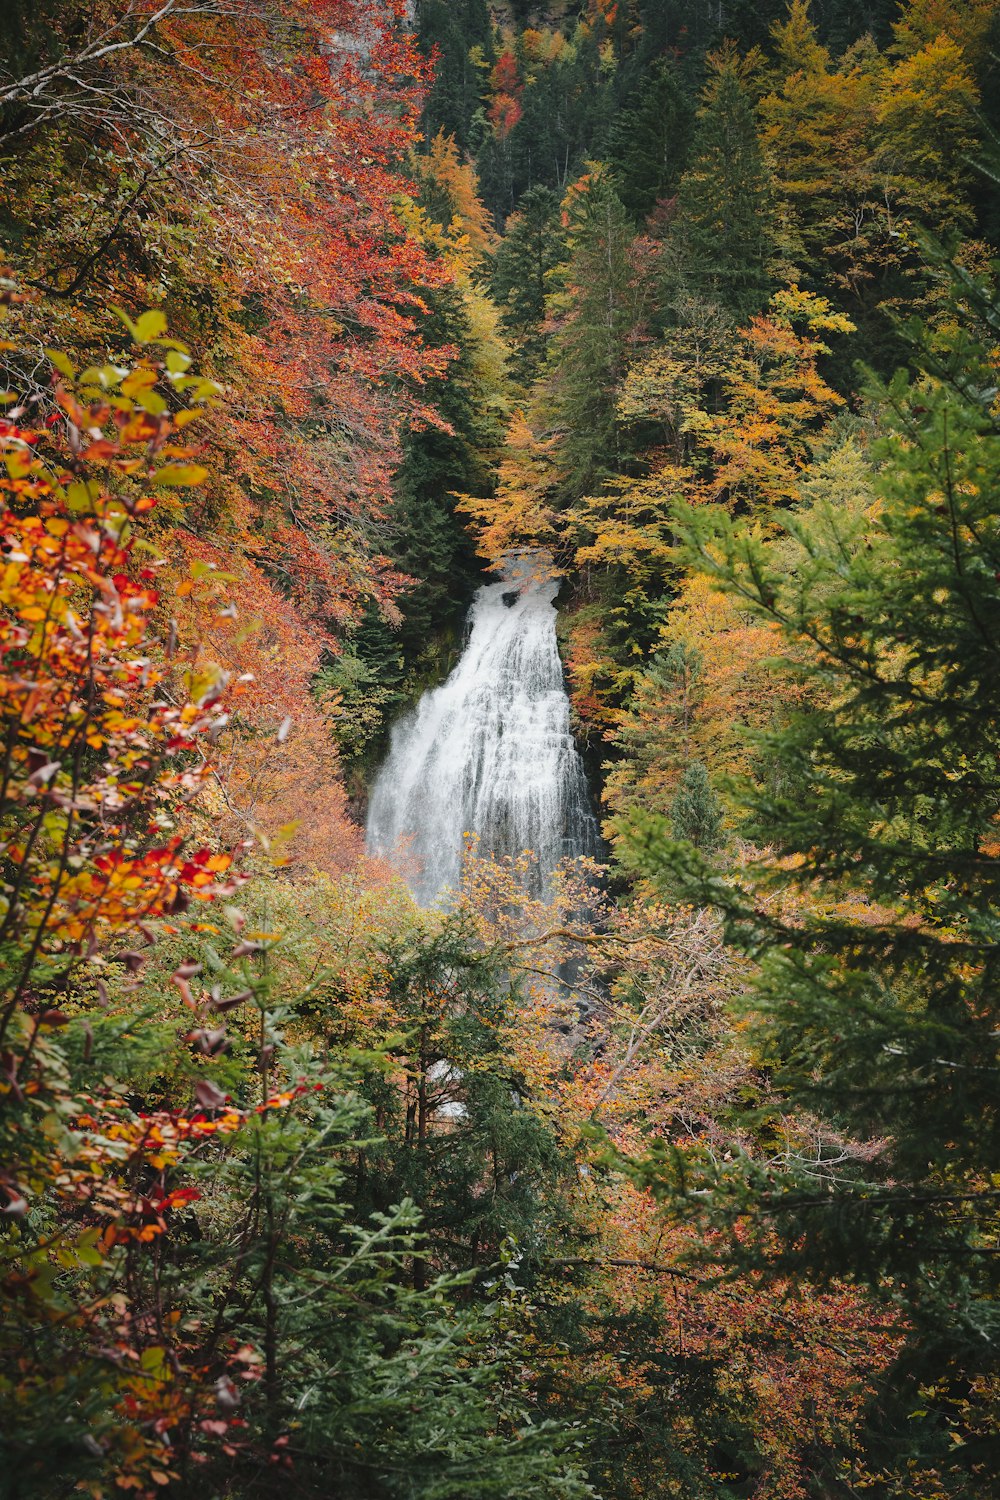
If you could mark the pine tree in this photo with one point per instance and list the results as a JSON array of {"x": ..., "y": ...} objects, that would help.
[
  {"x": 521, "y": 274},
  {"x": 877, "y": 996},
  {"x": 696, "y": 813},
  {"x": 650, "y": 141},
  {"x": 603, "y": 306},
  {"x": 724, "y": 232},
  {"x": 462, "y": 33},
  {"x": 427, "y": 540},
  {"x": 455, "y": 1003},
  {"x": 563, "y": 117}
]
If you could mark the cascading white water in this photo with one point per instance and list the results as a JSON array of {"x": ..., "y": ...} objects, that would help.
[{"x": 490, "y": 751}]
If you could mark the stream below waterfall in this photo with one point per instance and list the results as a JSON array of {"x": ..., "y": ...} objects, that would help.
[{"x": 489, "y": 752}]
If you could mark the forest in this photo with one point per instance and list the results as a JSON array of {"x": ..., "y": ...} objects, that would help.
[{"x": 665, "y": 1170}]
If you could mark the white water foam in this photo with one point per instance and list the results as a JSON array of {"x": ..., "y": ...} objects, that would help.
[{"x": 488, "y": 753}]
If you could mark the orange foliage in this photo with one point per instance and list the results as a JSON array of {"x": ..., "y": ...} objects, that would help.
[
  {"x": 520, "y": 514},
  {"x": 775, "y": 400},
  {"x": 278, "y": 772},
  {"x": 658, "y": 1059},
  {"x": 471, "y": 233},
  {"x": 505, "y": 107},
  {"x": 277, "y": 223},
  {"x": 714, "y": 676}
]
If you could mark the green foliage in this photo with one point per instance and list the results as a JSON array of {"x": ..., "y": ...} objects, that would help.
[
  {"x": 453, "y": 1005},
  {"x": 604, "y": 305},
  {"x": 877, "y": 994},
  {"x": 522, "y": 275},
  {"x": 654, "y": 735},
  {"x": 277, "y": 1302},
  {"x": 696, "y": 813},
  {"x": 347, "y": 1376},
  {"x": 359, "y": 687},
  {"x": 427, "y": 541},
  {"x": 463, "y": 36},
  {"x": 724, "y": 232},
  {"x": 565, "y": 107},
  {"x": 651, "y": 139}
]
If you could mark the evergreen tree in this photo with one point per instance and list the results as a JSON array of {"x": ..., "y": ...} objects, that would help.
[
  {"x": 521, "y": 275},
  {"x": 723, "y": 234},
  {"x": 681, "y": 26},
  {"x": 455, "y": 1003},
  {"x": 462, "y": 32},
  {"x": 565, "y": 108},
  {"x": 696, "y": 813},
  {"x": 748, "y": 22},
  {"x": 567, "y": 112},
  {"x": 363, "y": 686},
  {"x": 650, "y": 141},
  {"x": 360, "y": 1351},
  {"x": 878, "y": 995},
  {"x": 602, "y": 308},
  {"x": 844, "y": 22},
  {"x": 427, "y": 539}
]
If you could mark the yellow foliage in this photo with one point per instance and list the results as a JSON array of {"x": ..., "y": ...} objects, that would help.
[
  {"x": 630, "y": 525},
  {"x": 712, "y": 679},
  {"x": 966, "y": 22},
  {"x": 520, "y": 514},
  {"x": 471, "y": 233},
  {"x": 927, "y": 119}
]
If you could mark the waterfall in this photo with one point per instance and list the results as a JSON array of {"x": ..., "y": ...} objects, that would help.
[{"x": 490, "y": 751}]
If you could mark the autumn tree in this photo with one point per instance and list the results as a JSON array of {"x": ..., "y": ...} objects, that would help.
[
  {"x": 870, "y": 152},
  {"x": 174, "y": 1175},
  {"x": 272, "y": 215},
  {"x": 774, "y": 402},
  {"x": 816, "y": 125},
  {"x": 927, "y": 132},
  {"x": 523, "y": 509},
  {"x": 102, "y": 750}
]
